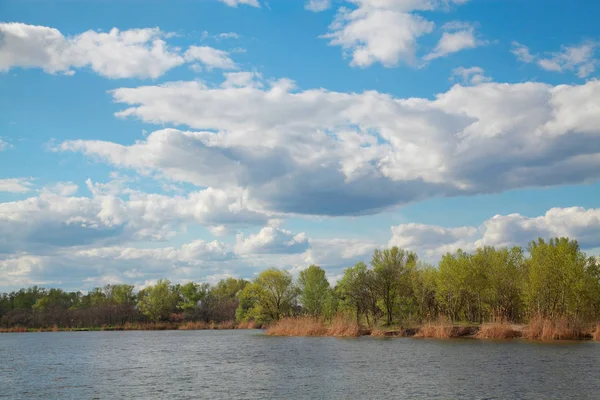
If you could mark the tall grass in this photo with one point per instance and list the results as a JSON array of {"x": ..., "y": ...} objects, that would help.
[
  {"x": 309, "y": 326},
  {"x": 596, "y": 334},
  {"x": 344, "y": 327},
  {"x": 553, "y": 329},
  {"x": 501, "y": 330},
  {"x": 440, "y": 329},
  {"x": 193, "y": 326},
  {"x": 13, "y": 329},
  {"x": 248, "y": 325}
]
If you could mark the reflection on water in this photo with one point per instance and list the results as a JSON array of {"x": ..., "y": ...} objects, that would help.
[{"x": 248, "y": 365}]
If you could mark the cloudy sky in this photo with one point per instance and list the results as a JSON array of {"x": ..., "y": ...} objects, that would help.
[{"x": 195, "y": 140}]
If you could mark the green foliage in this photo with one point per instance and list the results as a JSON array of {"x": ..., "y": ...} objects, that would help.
[
  {"x": 159, "y": 301},
  {"x": 392, "y": 277},
  {"x": 270, "y": 297},
  {"x": 315, "y": 292},
  {"x": 561, "y": 280}
]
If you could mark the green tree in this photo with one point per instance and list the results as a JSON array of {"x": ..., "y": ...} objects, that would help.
[
  {"x": 270, "y": 297},
  {"x": 391, "y": 267},
  {"x": 159, "y": 301},
  {"x": 315, "y": 292},
  {"x": 562, "y": 281}
]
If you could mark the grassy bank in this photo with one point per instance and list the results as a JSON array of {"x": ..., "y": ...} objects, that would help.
[
  {"x": 145, "y": 326},
  {"x": 538, "y": 329}
]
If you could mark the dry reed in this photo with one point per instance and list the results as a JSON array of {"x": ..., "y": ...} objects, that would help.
[
  {"x": 344, "y": 327},
  {"x": 596, "y": 334},
  {"x": 225, "y": 325},
  {"x": 247, "y": 325},
  {"x": 497, "y": 331},
  {"x": 14, "y": 329},
  {"x": 376, "y": 332},
  {"x": 193, "y": 326},
  {"x": 553, "y": 329},
  {"x": 440, "y": 329}
]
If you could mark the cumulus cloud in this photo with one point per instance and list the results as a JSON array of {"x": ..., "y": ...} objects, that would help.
[
  {"x": 210, "y": 57},
  {"x": 431, "y": 241},
  {"x": 580, "y": 59},
  {"x": 56, "y": 219},
  {"x": 469, "y": 76},
  {"x": 271, "y": 240},
  {"x": 457, "y": 36},
  {"x": 141, "y": 53},
  {"x": 16, "y": 185},
  {"x": 330, "y": 153},
  {"x": 384, "y": 31}
]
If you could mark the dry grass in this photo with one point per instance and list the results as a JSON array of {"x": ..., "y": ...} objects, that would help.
[
  {"x": 376, "y": 332},
  {"x": 309, "y": 326},
  {"x": 344, "y": 327},
  {"x": 248, "y": 325},
  {"x": 193, "y": 326},
  {"x": 553, "y": 329},
  {"x": 498, "y": 331},
  {"x": 225, "y": 325},
  {"x": 596, "y": 334},
  {"x": 13, "y": 329},
  {"x": 301, "y": 326},
  {"x": 440, "y": 329}
]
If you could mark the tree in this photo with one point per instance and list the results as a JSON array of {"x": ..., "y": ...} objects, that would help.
[
  {"x": 561, "y": 280},
  {"x": 358, "y": 293},
  {"x": 391, "y": 276},
  {"x": 159, "y": 301},
  {"x": 315, "y": 292},
  {"x": 270, "y": 297}
]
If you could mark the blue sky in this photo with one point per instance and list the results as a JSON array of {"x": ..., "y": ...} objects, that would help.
[{"x": 202, "y": 139}]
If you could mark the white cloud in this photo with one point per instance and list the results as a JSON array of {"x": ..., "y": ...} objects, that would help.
[
  {"x": 431, "y": 241},
  {"x": 384, "y": 31},
  {"x": 243, "y": 79},
  {"x": 202, "y": 260},
  {"x": 15, "y": 185},
  {"x": 235, "y": 3},
  {"x": 61, "y": 188},
  {"x": 228, "y": 35},
  {"x": 580, "y": 59},
  {"x": 331, "y": 153},
  {"x": 56, "y": 219},
  {"x": 141, "y": 53},
  {"x": 210, "y": 57},
  {"x": 458, "y": 36},
  {"x": 4, "y": 145},
  {"x": 271, "y": 240},
  {"x": 317, "y": 5},
  {"x": 470, "y": 76}
]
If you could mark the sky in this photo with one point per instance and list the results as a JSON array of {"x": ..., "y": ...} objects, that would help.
[{"x": 202, "y": 139}]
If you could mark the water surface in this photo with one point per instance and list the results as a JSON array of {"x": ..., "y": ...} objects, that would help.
[{"x": 249, "y": 365}]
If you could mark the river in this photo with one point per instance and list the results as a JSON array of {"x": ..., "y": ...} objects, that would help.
[{"x": 249, "y": 365}]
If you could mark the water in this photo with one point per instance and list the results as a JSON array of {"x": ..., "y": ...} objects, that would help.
[{"x": 249, "y": 365}]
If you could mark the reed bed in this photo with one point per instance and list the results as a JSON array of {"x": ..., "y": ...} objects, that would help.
[
  {"x": 497, "y": 331},
  {"x": 439, "y": 329},
  {"x": 596, "y": 335},
  {"x": 309, "y": 326},
  {"x": 248, "y": 325},
  {"x": 553, "y": 329}
]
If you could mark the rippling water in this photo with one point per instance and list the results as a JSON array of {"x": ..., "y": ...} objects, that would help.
[{"x": 249, "y": 365}]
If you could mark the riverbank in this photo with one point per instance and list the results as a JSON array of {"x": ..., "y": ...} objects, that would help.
[
  {"x": 537, "y": 329},
  {"x": 145, "y": 326}
]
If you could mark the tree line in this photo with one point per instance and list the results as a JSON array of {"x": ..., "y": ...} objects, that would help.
[{"x": 552, "y": 279}]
